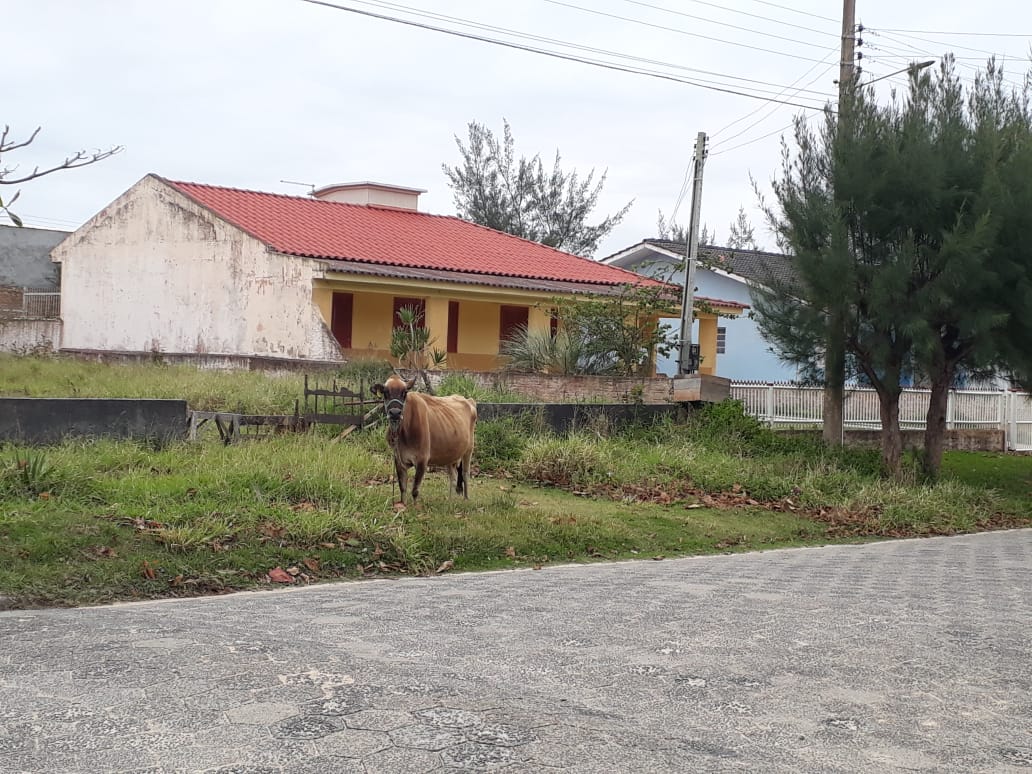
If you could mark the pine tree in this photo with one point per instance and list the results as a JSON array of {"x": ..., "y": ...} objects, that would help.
[
  {"x": 519, "y": 196},
  {"x": 910, "y": 223}
]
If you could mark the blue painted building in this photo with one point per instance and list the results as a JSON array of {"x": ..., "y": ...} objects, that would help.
[{"x": 726, "y": 274}]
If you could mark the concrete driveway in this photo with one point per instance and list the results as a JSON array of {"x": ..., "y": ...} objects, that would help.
[{"x": 901, "y": 656}]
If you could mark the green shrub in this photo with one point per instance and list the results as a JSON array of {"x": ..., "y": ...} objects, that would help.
[
  {"x": 574, "y": 460},
  {"x": 500, "y": 442}
]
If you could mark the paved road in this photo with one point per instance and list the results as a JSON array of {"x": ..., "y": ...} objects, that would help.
[{"x": 903, "y": 656}]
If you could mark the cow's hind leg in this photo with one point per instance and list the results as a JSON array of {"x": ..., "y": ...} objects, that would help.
[
  {"x": 453, "y": 474},
  {"x": 417, "y": 479},
  {"x": 462, "y": 486}
]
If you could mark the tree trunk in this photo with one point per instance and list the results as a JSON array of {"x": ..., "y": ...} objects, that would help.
[
  {"x": 935, "y": 422},
  {"x": 834, "y": 381},
  {"x": 891, "y": 439}
]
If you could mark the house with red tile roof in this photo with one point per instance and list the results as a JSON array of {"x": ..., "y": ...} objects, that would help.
[{"x": 174, "y": 267}]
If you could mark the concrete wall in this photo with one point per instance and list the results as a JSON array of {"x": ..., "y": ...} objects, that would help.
[
  {"x": 955, "y": 440},
  {"x": 27, "y": 336},
  {"x": 25, "y": 257},
  {"x": 49, "y": 420},
  {"x": 155, "y": 272}
]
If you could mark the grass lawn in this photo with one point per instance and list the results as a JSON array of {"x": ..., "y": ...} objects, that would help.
[{"x": 93, "y": 522}]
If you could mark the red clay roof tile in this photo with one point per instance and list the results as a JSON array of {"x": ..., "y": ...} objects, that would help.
[{"x": 382, "y": 235}]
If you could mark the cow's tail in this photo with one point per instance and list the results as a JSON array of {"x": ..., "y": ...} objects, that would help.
[{"x": 460, "y": 478}]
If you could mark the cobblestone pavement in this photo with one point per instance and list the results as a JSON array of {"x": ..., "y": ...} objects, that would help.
[{"x": 898, "y": 656}]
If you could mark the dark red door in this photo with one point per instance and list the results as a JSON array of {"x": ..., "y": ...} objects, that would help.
[
  {"x": 513, "y": 319},
  {"x": 341, "y": 320},
  {"x": 453, "y": 326}
]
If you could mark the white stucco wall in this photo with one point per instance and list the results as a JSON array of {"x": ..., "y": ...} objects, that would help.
[{"x": 153, "y": 271}]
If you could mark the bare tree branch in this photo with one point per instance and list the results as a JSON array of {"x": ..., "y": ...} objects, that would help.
[{"x": 78, "y": 159}]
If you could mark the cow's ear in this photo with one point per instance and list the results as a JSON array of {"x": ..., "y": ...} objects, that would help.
[
  {"x": 377, "y": 389},
  {"x": 410, "y": 384}
]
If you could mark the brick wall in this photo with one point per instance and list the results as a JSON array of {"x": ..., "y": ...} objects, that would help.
[{"x": 566, "y": 389}]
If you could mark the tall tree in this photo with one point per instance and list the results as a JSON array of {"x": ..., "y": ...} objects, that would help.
[
  {"x": 520, "y": 196},
  {"x": 907, "y": 222},
  {"x": 10, "y": 175},
  {"x": 741, "y": 235}
]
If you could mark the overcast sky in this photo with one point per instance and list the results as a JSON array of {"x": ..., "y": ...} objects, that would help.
[{"x": 248, "y": 93}]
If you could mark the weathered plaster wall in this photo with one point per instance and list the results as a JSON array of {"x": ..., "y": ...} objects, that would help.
[
  {"x": 155, "y": 272},
  {"x": 27, "y": 336},
  {"x": 25, "y": 257}
]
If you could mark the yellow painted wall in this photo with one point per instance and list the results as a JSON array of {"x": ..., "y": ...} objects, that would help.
[
  {"x": 478, "y": 328},
  {"x": 371, "y": 323},
  {"x": 708, "y": 344},
  {"x": 478, "y": 322}
]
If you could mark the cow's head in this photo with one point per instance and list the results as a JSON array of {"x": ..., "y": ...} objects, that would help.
[{"x": 394, "y": 391}]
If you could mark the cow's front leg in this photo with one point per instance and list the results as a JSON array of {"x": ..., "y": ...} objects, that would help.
[
  {"x": 417, "y": 479},
  {"x": 401, "y": 471}
]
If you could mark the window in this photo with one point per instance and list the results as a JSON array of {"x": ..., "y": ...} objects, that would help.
[
  {"x": 341, "y": 318},
  {"x": 721, "y": 340},
  {"x": 513, "y": 318},
  {"x": 419, "y": 304},
  {"x": 453, "y": 326}
]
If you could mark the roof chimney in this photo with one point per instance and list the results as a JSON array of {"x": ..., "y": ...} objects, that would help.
[{"x": 371, "y": 194}]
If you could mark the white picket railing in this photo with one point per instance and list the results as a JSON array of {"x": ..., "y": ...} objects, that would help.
[{"x": 790, "y": 404}]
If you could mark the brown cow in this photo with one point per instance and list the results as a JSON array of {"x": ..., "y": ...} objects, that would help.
[{"x": 424, "y": 431}]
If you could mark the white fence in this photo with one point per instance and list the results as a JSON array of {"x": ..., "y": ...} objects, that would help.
[{"x": 788, "y": 404}]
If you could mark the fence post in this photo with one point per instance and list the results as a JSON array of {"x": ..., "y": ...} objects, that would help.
[
  {"x": 1011, "y": 435},
  {"x": 770, "y": 405},
  {"x": 949, "y": 409}
]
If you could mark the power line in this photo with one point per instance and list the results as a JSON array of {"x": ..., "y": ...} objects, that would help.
[
  {"x": 796, "y": 10},
  {"x": 686, "y": 32},
  {"x": 576, "y": 46},
  {"x": 877, "y": 30},
  {"x": 732, "y": 10},
  {"x": 955, "y": 32},
  {"x": 553, "y": 54},
  {"x": 924, "y": 51},
  {"x": 804, "y": 119},
  {"x": 761, "y": 107},
  {"x": 705, "y": 19},
  {"x": 761, "y": 119}
]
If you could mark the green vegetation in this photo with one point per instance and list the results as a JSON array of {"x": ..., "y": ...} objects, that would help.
[
  {"x": 62, "y": 377},
  {"x": 88, "y": 522},
  {"x": 91, "y": 522}
]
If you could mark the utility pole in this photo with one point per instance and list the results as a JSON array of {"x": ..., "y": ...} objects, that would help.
[
  {"x": 687, "y": 359},
  {"x": 835, "y": 345}
]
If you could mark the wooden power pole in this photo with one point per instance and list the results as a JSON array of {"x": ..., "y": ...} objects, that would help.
[{"x": 835, "y": 345}]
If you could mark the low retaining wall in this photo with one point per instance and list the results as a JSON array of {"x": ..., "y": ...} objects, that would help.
[
  {"x": 49, "y": 420},
  {"x": 955, "y": 440},
  {"x": 23, "y": 337},
  {"x": 563, "y": 417},
  {"x": 207, "y": 361},
  {"x": 610, "y": 389}
]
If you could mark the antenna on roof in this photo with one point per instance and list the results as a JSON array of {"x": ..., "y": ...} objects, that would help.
[{"x": 309, "y": 186}]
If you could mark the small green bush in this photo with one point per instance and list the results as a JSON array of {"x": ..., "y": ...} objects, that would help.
[
  {"x": 574, "y": 460},
  {"x": 500, "y": 442}
]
